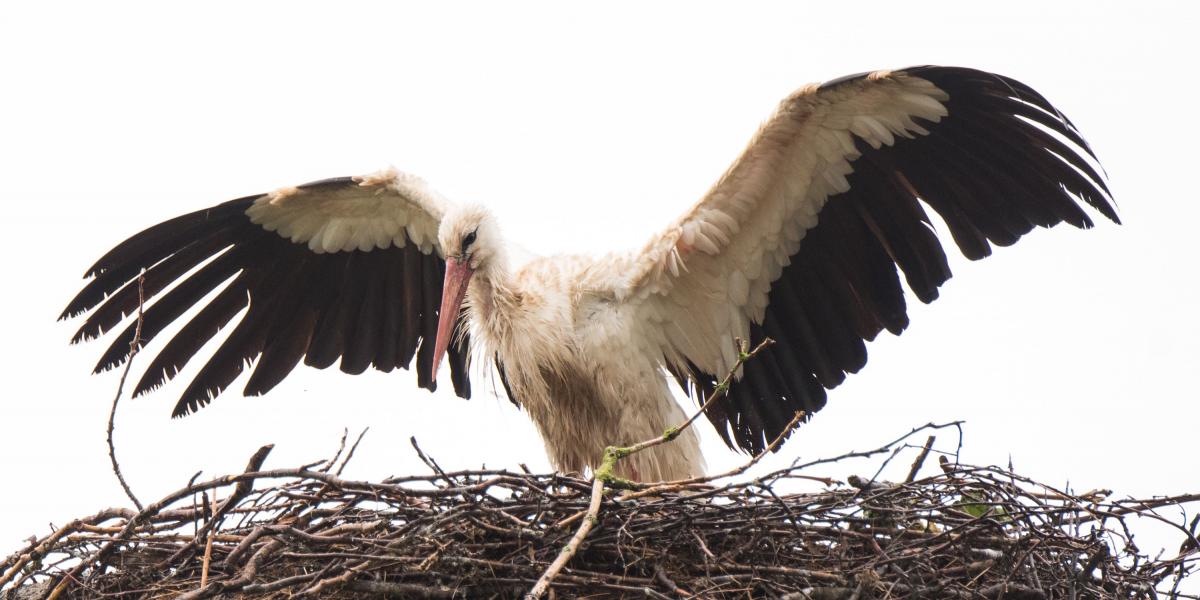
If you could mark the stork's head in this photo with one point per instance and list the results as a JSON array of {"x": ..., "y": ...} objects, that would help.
[
  {"x": 471, "y": 243},
  {"x": 468, "y": 234}
]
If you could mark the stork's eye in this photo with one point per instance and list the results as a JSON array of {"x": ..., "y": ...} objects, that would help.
[{"x": 467, "y": 241}]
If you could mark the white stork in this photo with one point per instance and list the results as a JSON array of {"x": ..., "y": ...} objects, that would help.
[{"x": 800, "y": 241}]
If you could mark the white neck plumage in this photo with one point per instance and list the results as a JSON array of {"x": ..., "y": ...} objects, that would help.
[{"x": 492, "y": 295}]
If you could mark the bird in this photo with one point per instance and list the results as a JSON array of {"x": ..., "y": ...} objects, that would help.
[{"x": 809, "y": 239}]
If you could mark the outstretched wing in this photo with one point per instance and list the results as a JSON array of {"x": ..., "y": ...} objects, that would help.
[
  {"x": 343, "y": 268},
  {"x": 801, "y": 238}
]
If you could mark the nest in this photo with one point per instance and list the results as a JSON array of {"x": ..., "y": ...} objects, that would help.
[{"x": 964, "y": 532}]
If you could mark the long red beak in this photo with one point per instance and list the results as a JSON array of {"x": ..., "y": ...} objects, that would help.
[{"x": 454, "y": 289}]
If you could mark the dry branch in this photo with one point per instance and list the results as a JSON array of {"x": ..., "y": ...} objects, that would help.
[{"x": 134, "y": 345}]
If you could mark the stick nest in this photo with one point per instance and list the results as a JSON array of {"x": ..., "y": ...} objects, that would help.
[{"x": 964, "y": 532}]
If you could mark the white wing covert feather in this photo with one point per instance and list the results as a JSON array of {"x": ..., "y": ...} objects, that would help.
[
  {"x": 717, "y": 262},
  {"x": 381, "y": 210}
]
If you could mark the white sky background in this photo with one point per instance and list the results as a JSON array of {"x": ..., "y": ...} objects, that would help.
[{"x": 1072, "y": 352}]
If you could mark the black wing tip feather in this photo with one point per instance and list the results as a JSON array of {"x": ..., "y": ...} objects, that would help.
[
  {"x": 166, "y": 234},
  {"x": 150, "y": 382},
  {"x": 113, "y": 278},
  {"x": 997, "y": 86},
  {"x": 70, "y": 312},
  {"x": 188, "y": 405}
]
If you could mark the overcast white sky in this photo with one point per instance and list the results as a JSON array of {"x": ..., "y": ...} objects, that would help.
[{"x": 1074, "y": 353}]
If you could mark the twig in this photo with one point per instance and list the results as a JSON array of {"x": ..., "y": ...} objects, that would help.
[
  {"x": 350, "y": 454},
  {"x": 134, "y": 345},
  {"x": 614, "y": 454},
  {"x": 327, "y": 464},
  {"x": 916, "y": 466},
  {"x": 721, "y": 389},
  {"x": 681, "y": 483},
  {"x": 589, "y": 520},
  {"x": 429, "y": 462},
  {"x": 390, "y": 589},
  {"x": 208, "y": 548}
]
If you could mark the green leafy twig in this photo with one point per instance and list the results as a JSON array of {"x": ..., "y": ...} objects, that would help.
[{"x": 614, "y": 454}]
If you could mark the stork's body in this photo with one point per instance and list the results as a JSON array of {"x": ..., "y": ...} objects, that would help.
[
  {"x": 569, "y": 352},
  {"x": 802, "y": 240}
]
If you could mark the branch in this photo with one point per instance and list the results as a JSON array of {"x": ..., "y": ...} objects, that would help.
[
  {"x": 916, "y": 466},
  {"x": 668, "y": 486},
  {"x": 134, "y": 345},
  {"x": 613, "y": 454},
  {"x": 589, "y": 520}
]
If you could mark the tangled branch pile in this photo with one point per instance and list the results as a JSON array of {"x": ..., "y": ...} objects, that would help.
[{"x": 966, "y": 532}]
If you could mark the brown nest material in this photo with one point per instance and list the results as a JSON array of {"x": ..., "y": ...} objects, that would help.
[{"x": 966, "y": 532}]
